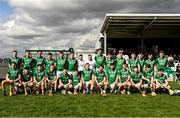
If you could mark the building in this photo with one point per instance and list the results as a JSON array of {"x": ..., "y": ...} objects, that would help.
[{"x": 142, "y": 32}]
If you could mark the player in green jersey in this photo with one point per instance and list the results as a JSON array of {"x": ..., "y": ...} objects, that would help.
[
  {"x": 87, "y": 76},
  {"x": 109, "y": 60},
  {"x": 133, "y": 62},
  {"x": 33, "y": 67},
  {"x": 61, "y": 63},
  {"x": 77, "y": 82},
  {"x": 27, "y": 60},
  {"x": 72, "y": 64},
  {"x": 150, "y": 61},
  {"x": 13, "y": 78},
  {"x": 161, "y": 62},
  {"x": 39, "y": 79},
  {"x": 161, "y": 82},
  {"x": 113, "y": 78},
  {"x": 27, "y": 80},
  {"x": 141, "y": 61},
  {"x": 51, "y": 79},
  {"x": 119, "y": 60},
  {"x": 136, "y": 79},
  {"x": 101, "y": 80},
  {"x": 40, "y": 59},
  {"x": 99, "y": 58},
  {"x": 147, "y": 80},
  {"x": 15, "y": 59},
  {"x": 65, "y": 82},
  {"x": 48, "y": 62},
  {"x": 124, "y": 83}
]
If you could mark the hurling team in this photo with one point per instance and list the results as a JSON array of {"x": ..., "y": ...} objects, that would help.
[{"x": 110, "y": 74}]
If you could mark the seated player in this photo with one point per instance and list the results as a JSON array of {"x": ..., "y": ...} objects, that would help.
[
  {"x": 27, "y": 80},
  {"x": 113, "y": 78},
  {"x": 88, "y": 79},
  {"x": 51, "y": 79},
  {"x": 101, "y": 80},
  {"x": 147, "y": 80},
  {"x": 13, "y": 78},
  {"x": 77, "y": 82},
  {"x": 39, "y": 79},
  {"x": 65, "y": 82},
  {"x": 124, "y": 83},
  {"x": 161, "y": 82},
  {"x": 136, "y": 79}
]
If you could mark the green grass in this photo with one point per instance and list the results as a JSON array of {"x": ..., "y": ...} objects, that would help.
[{"x": 58, "y": 105}]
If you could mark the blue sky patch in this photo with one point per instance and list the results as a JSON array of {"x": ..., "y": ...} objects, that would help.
[{"x": 5, "y": 10}]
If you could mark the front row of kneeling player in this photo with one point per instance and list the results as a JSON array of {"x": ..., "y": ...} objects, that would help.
[{"x": 116, "y": 81}]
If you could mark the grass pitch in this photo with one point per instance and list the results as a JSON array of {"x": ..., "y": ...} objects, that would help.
[{"x": 59, "y": 105}]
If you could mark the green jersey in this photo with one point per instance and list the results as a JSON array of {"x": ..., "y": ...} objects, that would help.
[
  {"x": 136, "y": 77},
  {"x": 39, "y": 75},
  {"x": 13, "y": 74},
  {"x": 100, "y": 60},
  {"x": 119, "y": 63},
  {"x": 161, "y": 62},
  {"x": 160, "y": 79},
  {"x": 109, "y": 62},
  {"x": 150, "y": 62},
  {"x": 64, "y": 78},
  {"x": 112, "y": 75},
  {"x": 27, "y": 77},
  {"x": 76, "y": 79},
  {"x": 141, "y": 63},
  {"x": 87, "y": 74},
  {"x": 34, "y": 70},
  {"x": 148, "y": 75},
  {"x": 133, "y": 63},
  {"x": 100, "y": 76},
  {"x": 61, "y": 64},
  {"x": 51, "y": 74},
  {"x": 72, "y": 64},
  {"x": 27, "y": 62},
  {"x": 15, "y": 60},
  {"x": 48, "y": 63},
  {"x": 40, "y": 60},
  {"x": 124, "y": 73}
]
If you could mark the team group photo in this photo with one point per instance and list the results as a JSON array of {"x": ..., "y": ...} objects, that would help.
[
  {"x": 114, "y": 74},
  {"x": 89, "y": 58}
]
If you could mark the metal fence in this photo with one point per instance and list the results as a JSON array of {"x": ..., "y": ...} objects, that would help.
[{"x": 3, "y": 70}]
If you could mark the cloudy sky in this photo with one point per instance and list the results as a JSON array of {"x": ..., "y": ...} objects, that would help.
[{"x": 57, "y": 24}]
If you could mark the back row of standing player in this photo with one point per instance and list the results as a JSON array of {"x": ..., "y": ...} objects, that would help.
[{"x": 72, "y": 64}]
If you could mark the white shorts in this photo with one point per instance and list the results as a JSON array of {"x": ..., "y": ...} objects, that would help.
[
  {"x": 146, "y": 85},
  {"x": 87, "y": 84},
  {"x": 112, "y": 85},
  {"x": 77, "y": 86}
]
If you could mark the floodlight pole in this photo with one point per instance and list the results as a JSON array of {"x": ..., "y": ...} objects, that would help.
[
  {"x": 142, "y": 32},
  {"x": 105, "y": 43}
]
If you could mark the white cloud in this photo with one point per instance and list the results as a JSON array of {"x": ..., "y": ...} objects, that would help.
[{"x": 56, "y": 24}]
